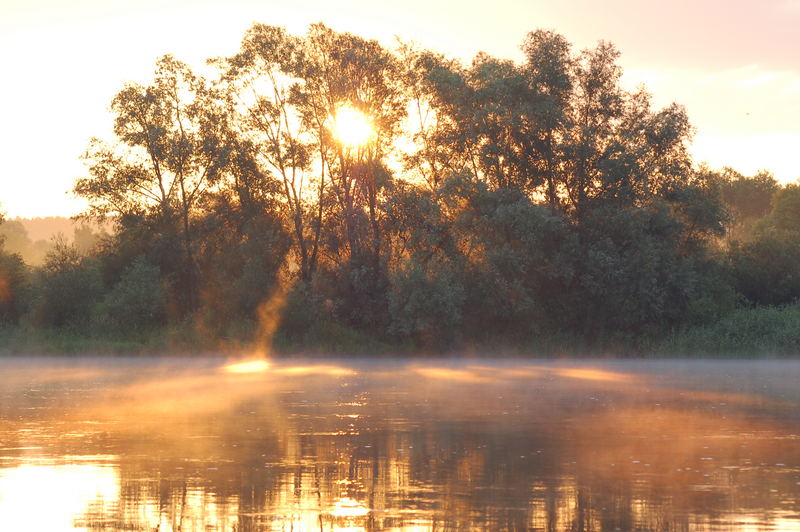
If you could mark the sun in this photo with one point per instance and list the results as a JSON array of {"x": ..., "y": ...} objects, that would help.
[{"x": 352, "y": 127}]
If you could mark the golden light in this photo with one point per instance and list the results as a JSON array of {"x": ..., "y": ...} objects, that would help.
[
  {"x": 347, "y": 507},
  {"x": 352, "y": 127},
  {"x": 5, "y": 293},
  {"x": 56, "y": 497},
  {"x": 250, "y": 366}
]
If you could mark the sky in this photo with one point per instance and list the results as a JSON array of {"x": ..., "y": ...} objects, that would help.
[{"x": 734, "y": 64}]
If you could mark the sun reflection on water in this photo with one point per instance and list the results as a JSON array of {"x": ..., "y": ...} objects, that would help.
[
  {"x": 51, "y": 497},
  {"x": 347, "y": 507},
  {"x": 412, "y": 447},
  {"x": 248, "y": 366}
]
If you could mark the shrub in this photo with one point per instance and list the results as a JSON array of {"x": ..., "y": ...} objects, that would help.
[{"x": 136, "y": 302}]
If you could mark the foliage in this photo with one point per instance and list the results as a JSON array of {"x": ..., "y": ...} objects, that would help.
[
  {"x": 784, "y": 218},
  {"x": 765, "y": 331},
  {"x": 516, "y": 258},
  {"x": 172, "y": 146},
  {"x": 558, "y": 126},
  {"x": 493, "y": 202},
  {"x": 136, "y": 302},
  {"x": 68, "y": 288},
  {"x": 17, "y": 241},
  {"x": 425, "y": 305},
  {"x": 745, "y": 198},
  {"x": 241, "y": 259},
  {"x": 765, "y": 268},
  {"x": 13, "y": 287}
]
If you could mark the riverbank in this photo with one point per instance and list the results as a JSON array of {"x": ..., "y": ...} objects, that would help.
[{"x": 764, "y": 332}]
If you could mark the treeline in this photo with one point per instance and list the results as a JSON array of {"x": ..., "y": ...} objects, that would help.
[
  {"x": 34, "y": 238},
  {"x": 533, "y": 205}
]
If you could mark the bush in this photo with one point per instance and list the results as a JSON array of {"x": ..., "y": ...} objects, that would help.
[
  {"x": 425, "y": 305},
  {"x": 765, "y": 270},
  {"x": 136, "y": 302},
  {"x": 13, "y": 287},
  {"x": 752, "y": 331},
  {"x": 68, "y": 288}
]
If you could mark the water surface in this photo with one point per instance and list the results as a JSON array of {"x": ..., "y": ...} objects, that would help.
[{"x": 154, "y": 444}]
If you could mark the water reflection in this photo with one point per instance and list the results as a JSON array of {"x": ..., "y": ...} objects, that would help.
[
  {"x": 68, "y": 491},
  {"x": 196, "y": 445}
]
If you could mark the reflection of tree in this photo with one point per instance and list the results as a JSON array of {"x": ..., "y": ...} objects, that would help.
[{"x": 446, "y": 448}]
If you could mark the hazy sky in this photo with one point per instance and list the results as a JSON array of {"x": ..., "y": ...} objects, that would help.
[{"x": 734, "y": 64}]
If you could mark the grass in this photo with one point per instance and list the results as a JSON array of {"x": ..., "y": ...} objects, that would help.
[
  {"x": 15, "y": 340},
  {"x": 321, "y": 338},
  {"x": 744, "y": 333}
]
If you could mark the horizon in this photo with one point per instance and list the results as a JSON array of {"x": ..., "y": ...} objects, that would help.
[{"x": 741, "y": 94}]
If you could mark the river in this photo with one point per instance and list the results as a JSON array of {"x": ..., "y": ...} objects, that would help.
[{"x": 195, "y": 444}]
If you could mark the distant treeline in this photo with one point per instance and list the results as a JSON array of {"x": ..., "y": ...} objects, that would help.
[
  {"x": 34, "y": 238},
  {"x": 529, "y": 206}
]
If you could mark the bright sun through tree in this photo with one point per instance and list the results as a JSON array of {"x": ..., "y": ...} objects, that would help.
[{"x": 352, "y": 127}]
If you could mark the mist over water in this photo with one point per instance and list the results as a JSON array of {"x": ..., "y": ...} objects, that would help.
[{"x": 146, "y": 444}]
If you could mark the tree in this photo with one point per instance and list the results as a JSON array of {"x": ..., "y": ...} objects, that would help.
[
  {"x": 13, "y": 282},
  {"x": 535, "y": 197},
  {"x": 261, "y": 90},
  {"x": 558, "y": 126},
  {"x": 136, "y": 303},
  {"x": 18, "y": 242},
  {"x": 68, "y": 287},
  {"x": 341, "y": 70},
  {"x": 765, "y": 267},
  {"x": 746, "y": 198},
  {"x": 172, "y": 144},
  {"x": 287, "y": 94}
]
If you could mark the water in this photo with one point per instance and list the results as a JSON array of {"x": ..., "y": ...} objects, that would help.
[{"x": 153, "y": 444}]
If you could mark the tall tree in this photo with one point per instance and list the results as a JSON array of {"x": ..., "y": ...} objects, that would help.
[
  {"x": 343, "y": 71},
  {"x": 171, "y": 147},
  {"x": 746, "y": 198},
  {"x": 261, "y": 90}
]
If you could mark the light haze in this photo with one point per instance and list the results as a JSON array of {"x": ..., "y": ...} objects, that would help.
[{"x": 733, "y": 64}]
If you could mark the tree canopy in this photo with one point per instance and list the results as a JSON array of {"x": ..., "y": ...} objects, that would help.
[{"x": 472, "y": 202}]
